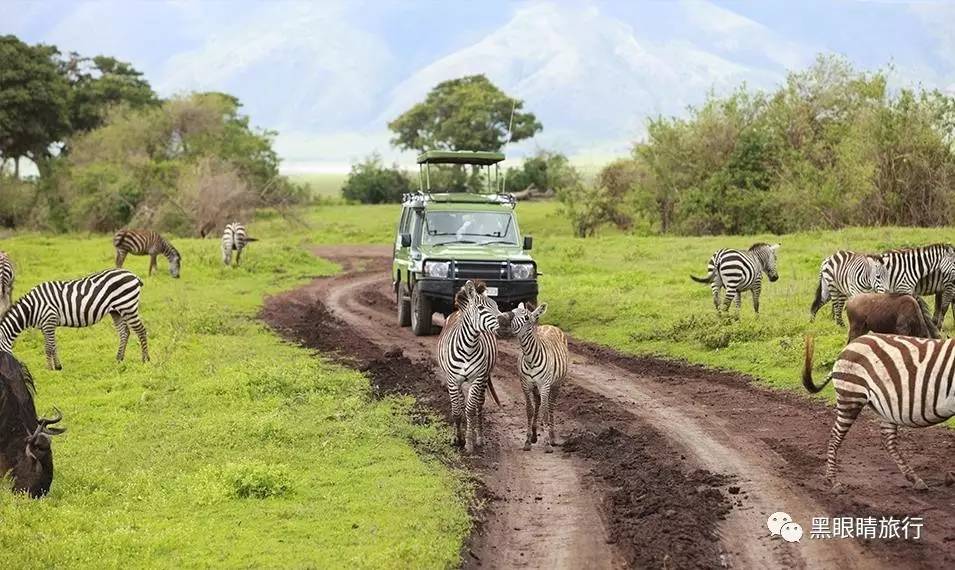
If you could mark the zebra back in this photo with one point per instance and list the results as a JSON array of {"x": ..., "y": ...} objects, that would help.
[{"x": 920, "y": 270}]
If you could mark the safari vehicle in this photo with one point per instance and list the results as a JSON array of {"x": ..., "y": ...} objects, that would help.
[{"x": 443, "y": 238}]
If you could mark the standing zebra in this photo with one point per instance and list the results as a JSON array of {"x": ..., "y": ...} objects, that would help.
[
  {"x": 845, "y": 274},
  {"x": 738, "y": 270},
  {"x": 77, "y": 303},
  {"x": 234, "y": 238},
  {"x": 467, "y": 349},
  {"x": 544, "y": 363},
  {"x": 146, "y": 242},
  {"x": 906, "y": 380},
  {"x": 923, "y": 271},
  {"x": 6, "y": 282}
]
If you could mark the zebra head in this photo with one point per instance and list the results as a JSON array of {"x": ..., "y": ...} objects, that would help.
[
  {"x": 767, "y": 258},
  {"x": 525, "y": 317},
  {"x": 174, "y": 261},
  {"x": 477, "y": 308},
  {"x": 878, "y": 274}
]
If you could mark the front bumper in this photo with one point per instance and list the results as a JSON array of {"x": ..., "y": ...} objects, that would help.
[{"x": 509, "y": 292}]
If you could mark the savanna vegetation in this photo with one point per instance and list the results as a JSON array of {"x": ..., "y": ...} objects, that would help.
[{"x": 230, "y": 448}]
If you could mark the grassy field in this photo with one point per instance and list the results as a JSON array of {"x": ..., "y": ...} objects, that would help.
[
  {"x": 635, "y": 294},
  {"x": 322, "y": 184},
  {"x": 229, "y": 449}
]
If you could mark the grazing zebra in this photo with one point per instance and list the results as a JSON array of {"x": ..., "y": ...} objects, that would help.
[
  {"x": 146, "y": 242},
  {"x": 907, "y": 381},
  {"x": 6, "y": 282},
  {"x": 923, "y": 271},
  {"x": 738, "y": 270},
  {"x": 77, "y": 303},
  {"x": 467, "y": 349},
  {"x": 234, "y": 238},
  {"x": 543, "y": 367},
  {"x": 844, "y": 274}
]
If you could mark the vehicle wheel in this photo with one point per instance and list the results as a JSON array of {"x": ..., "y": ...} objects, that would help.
[
  {"x": 421, "y": 312},
  {"x": 404, "y": 305}
]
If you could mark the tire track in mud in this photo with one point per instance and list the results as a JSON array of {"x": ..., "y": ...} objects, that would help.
[{"x": 643, "y": 479}]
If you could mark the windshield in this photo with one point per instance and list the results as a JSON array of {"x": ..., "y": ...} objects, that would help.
[{"x": 469, "y": 227}]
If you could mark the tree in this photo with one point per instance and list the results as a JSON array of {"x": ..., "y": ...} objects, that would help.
[
  {"x": 468, "y": 113},
  {"x": 369, "y": 182},
  {"x": 98, "y": 83},
  {"x": 34, "y": 98},
  {"x": 545, "y": 171}
]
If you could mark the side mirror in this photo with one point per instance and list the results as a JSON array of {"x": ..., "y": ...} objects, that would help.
[
  {"x": 528, "y": 242},
  {"x": 405, "y": 240}
]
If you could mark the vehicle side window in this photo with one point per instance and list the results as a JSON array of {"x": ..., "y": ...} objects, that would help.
[
  {"x": 403, "y": 224},
  {"x": 418, "y": 222}
]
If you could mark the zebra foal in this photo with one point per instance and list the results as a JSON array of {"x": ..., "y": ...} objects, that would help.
[
  {"x": 544, "y": 361},
  {"x": 908, "y": 381},
  {"x": 739, "y": 270},
  {"x": 234, "y": 238},
  {"x": 146, "y": 242},
  {"x": 77, "y": 303},
  {"x": 467, "y": 350},
  {"x": 845, "y": 274}
]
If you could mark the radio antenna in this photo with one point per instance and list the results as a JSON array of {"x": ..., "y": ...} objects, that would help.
[{"x": 510, "y": 130}]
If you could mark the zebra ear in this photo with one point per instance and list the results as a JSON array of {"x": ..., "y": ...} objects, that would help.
[
  {"x": 774, "y": 247},
  {"x": 540, "y": 310},
  {"x": 469, "y": 288},
  {"x": 521, "y": 306}
]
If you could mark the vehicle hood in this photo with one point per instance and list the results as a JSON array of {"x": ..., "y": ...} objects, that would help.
[{"x": 490, "y": 252}]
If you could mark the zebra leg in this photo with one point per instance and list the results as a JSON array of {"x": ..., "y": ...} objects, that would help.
[
  {"x": 457, "y": 410},
  {"x": 227, "y": 256},
  {"x": 537, "y": 411},
  {"x": 548, "y": 417},
  {"x": 238, "y": 254},
  {"x": 728, "y": 300},
  {"x": 120, "y": 257},
  {"x": 472, "y": 412},
  {"x": 531, "y": 413},
  {"x": 479, "y": 431},
  {"x": 715, "y": 286},
  {"x": 554, "y": 390},
  {"x": 133, "y": 321},
  {"x": 123, "y": 329},
  {"x": 890, "y": 435},
  {"x": 838, "y": 304},
  {"x": 152, "y": 263},
  {"x": 49, "y": 345},
  {"x": 756, "y": 290},
  {"x": 846, "y": 414}
]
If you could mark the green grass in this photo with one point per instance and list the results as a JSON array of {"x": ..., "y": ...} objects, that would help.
[
  {"x": 634, "y": 293},
  {"x": 231, "y": 448},
  {"x": 322, "y": 184}
]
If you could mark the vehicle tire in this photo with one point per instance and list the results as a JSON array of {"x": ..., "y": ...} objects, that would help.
[
  {"x": 421, "y": 312},
  {"x": 404, "y": 305}
]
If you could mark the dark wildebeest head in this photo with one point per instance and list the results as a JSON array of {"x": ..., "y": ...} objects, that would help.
[{"x": 25, "y": 452}]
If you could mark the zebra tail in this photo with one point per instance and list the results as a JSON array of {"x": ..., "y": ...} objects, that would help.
[
  {"x": 247, "y": 238},
  {"x": 707, "y": 279},
  {"x": 118, "y": 237},
  {"x": 927, "y": 319},
  {"x": 490, "y": 386},
  {"x": 807, "y": 368},
  {"x": 822, "y": 295}
]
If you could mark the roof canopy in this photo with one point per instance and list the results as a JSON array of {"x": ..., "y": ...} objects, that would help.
[{"x": 460, "y": 157}]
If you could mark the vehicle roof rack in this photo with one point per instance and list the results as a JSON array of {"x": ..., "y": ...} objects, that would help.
[
  {"x": 483, "y": 158},
  {"x": 419, "y": 199}
]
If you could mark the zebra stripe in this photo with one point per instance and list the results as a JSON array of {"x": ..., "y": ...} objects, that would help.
[
  {"x": 146, "y": 242},
  {"x": 78, "y": 303},
  {"x": 908, "y": 381},
  {"x": 234, "y": 238},
  {"x": 845, "y": 274},
  {"x": 923, "y": 271},
  {"x": 544, "y": 361},
  {"x": 739, "y": 270},
  {"x": 7, "y": 276},
  {"x": 467, "y": 350}
]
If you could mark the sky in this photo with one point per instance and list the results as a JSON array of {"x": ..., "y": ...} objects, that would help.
[{"x": 329, "y": 75}]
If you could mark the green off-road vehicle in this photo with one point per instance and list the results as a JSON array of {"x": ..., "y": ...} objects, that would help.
[{"x": 445, "y": 238}]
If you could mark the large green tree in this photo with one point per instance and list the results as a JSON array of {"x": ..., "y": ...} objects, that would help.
[
  {"x": 97, "y": 84},
  {"x": 34, "y": 102},
  {"x": 468, "y": 113}
]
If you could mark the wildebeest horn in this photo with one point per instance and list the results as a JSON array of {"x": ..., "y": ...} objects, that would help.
[{"x": 50, "y": 421}]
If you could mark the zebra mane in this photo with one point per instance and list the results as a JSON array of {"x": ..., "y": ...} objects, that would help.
[
  {"x": 758, "y": 245},
  {"x": 941, "y": 245}
]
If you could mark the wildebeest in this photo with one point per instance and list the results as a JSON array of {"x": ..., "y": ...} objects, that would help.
[
  {"x": 25, "y": 452},
  {"x": 891, "y": 313}
]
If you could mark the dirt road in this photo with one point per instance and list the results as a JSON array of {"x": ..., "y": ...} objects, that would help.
[{"x": 664, "y": 464}]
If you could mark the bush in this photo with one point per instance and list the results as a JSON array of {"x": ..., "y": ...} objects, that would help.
[
  {"x": 544, "y": 171},
  {"x": 369, "y": 182}
]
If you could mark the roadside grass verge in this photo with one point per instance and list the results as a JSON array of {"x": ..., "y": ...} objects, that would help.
[
  {"x": 634, "y": 293},
  {"x": 230, "y": 448}
]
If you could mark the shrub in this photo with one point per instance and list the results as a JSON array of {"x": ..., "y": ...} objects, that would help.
[{"x": 369, "y": 182}]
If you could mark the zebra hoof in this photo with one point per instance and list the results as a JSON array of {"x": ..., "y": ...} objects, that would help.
[
  {"x": 919, "y": 485},
  {"x": 527, "y": 446},
  {"x": 949, "y": 479},
  {"x": 534, "y": 438},
  {"x": 837, "y": 489},
  {"x": 58, "y": 367},
  {"x": 548, "y": 449}
]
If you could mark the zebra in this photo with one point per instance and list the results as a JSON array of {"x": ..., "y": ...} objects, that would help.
[
  {"x": 923, "y": 271},
  {"x": 467, "y": 349},
  {"x": 7, "y": 276},
  {"x": 77, "y": 303},
  {"x": 907, "y": 381},
  {"x": 146, "y": 242},
  {"x": 544, "y": 361},
  {"x": 234, "y": 238},
  {"x": 738, "y": 270},
  {"x": 844, "y": 274}
]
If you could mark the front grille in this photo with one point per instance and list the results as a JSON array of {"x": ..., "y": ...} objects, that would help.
[{"x": 486, "y": 270}]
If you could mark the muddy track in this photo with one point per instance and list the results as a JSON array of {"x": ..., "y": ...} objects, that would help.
[{"x": 664, "y": 464}]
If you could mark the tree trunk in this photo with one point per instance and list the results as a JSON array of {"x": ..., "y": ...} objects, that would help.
[{"x": 16, "y": 167}]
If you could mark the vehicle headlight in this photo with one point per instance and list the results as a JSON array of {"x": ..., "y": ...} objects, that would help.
[
  {"x": 439, "y": 269},
  {"x": 522, "y": 271}
]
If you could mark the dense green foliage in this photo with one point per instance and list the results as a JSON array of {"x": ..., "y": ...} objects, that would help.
[
  {"x": 468, "y": 113},
  {"x": 832, "y": 147},
  {"x": 231, "y": 448},
  {"x": 544, "y": 171},
  {"x": 370, "y": 182}
]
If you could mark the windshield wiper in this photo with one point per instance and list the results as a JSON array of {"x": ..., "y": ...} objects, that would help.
[
  {"x": 501, "y": 241},
  {"x": 455, "y": 241}
]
